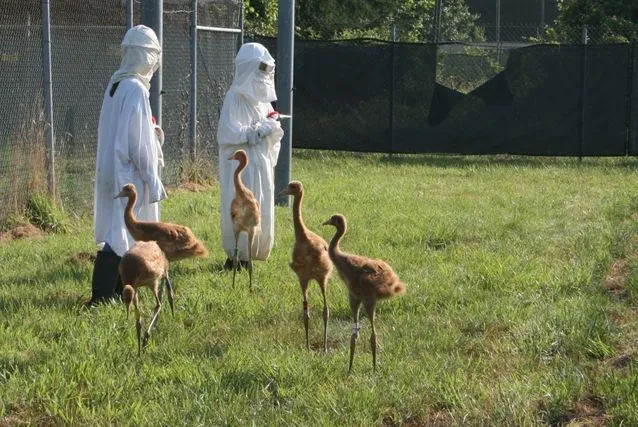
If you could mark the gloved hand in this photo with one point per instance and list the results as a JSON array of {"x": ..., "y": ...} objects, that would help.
[
  {"x": 159, "y": 132},
  {"x": 251, "y": 134},
  {"x": 265, "y": 128}
]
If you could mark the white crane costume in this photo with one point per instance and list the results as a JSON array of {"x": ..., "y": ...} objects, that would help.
[
  {"x": 129, "y": 149},
  {"x": 244, "y": 123}
]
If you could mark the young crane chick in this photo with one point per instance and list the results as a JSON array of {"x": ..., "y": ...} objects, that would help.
[
  {"x": 177, "y": 241},
  {"x": 368, "y": 280},
  {"x": 310, "y": 259},
  {"x": 244, "y": 212},
  {"x": 144, "y": 265}
]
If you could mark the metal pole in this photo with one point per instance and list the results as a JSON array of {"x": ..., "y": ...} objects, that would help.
[
  {"x": 240, "y": 39},
  {"x": 393, "y": 37},
  {"x": 498, "y": 32},
  {"x": 48, "y": 96},
  {"x": 583, "y": 95},
  {"x": 542, "y": 32},
  {"x": 437, "y": 21},
  {"x": 193, "y": 93},
  {"x": 129, "y": 14},
  {"x": 152, "y": 16},
  {"x": 284, "y": 79}
]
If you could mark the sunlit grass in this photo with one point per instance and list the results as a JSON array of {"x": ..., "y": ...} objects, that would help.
[{"x": 505, "y": 321}]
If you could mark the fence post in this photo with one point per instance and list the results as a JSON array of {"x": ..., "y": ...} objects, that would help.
[
  {"x": 542, "y": 20},
  {"x": 129, "y": 14},
  {"x": 631, "y": 101},
  {"x": 583, "y": 100},
  {"x": 193, "y": 92},
  {"x": 240, "y": 39},
  {"x": 437, "y": 21},
  {"x": 152, "y": 16},
  {"x": 393, "y": 38},
  {"x": 285, "y": 61},
  {"x": 498, "y": 32},
  {"x": 48, "y": 96}
]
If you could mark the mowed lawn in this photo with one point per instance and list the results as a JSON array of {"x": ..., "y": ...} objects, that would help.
[{"x": 520, "y": 307}]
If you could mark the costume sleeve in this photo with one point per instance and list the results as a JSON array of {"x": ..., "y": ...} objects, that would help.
[
  {"x": 141, "y": 148},
  {"x": 235, "y": 127}
]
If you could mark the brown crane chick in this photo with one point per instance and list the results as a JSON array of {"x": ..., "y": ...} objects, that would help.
[
  {"x": 144, "y": 265},
  {"x": 368, "y": 280},
  {"x": 310, "y": 259},
  {"x": 244, "y": 212},
  {"x": 177, "y": 241}
]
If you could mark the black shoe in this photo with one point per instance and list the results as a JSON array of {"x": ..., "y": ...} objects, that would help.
[
  {"x": 228, "y": 265},
  {"x": 106, "y": 283},
  {"x": 244, "y": 264}
]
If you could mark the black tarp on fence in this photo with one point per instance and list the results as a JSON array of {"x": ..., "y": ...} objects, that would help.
[{"x": 374, "y": 96}]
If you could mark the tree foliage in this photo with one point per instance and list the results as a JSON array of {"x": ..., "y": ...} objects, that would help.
[
  {"x": 341, "y": 19},
  {"x": 260, "y": 17},
  {"x": 607, "y": 21}
]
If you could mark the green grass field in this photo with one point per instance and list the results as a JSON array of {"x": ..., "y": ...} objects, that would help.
[{"x": 520, "y": 308}]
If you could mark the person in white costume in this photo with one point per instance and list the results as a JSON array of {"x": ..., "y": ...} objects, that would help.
[
  {"x": 248, "y": 121},
  {"x": 128, "y": 151}
]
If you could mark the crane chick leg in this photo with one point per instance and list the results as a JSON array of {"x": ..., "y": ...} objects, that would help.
[
  {"x": 158, "y": 307},
  {"x": 138, "y": 324},
  {"x": 171, "y": 294},
  {"x": 370, "y": 310},
  {"x": 249, "y": 267},
  {"x": 306, "y": 314},
  {"x": 326, "y": 315},
  {"x": 355, "y": 304},
  {"x": 235, "y": 257}
]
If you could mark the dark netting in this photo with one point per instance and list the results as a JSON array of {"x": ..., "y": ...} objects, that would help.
[
  {"x": 342, "y": 95},
  {"x": 605, "y": 100},
  {"x": 462, "y": 99},
  {"x": 632, "y": 88},
  {"x": 414, "y": 75},
  {"x": 531, "y": 107}
]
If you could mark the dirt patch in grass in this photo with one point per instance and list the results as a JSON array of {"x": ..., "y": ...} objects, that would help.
[
  {"x": 616, "y": 278},
  {"x": 82, "y": 258},
  {"x": 21, "y": 231},
  {"x": 192, "y": 187},
  {"x": 19, "y": 415},
  {"x": 434, "y": 419},
  {"x": 590, "y": 411}
]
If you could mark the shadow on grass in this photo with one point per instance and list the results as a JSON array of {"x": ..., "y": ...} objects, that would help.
[
  {"x": 461, "y": 161},
  {"x": 55, "y": 300}
]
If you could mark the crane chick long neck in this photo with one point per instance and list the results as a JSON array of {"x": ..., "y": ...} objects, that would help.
[
  {"x": 239, "y": 185},
  {"x": 300, "y": 227},
  {"x": 333, "y": 248},
  {"x": 129, "y": 218}
]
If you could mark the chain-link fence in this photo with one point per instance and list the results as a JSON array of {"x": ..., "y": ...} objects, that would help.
[{"x": 85, "y": 51}]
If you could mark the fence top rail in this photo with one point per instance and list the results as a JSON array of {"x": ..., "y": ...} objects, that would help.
[
  {"x": 218, "y": 29},
  {"x": 81, "y": 27}
]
